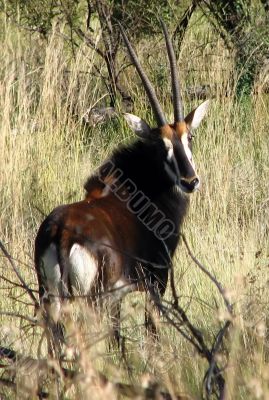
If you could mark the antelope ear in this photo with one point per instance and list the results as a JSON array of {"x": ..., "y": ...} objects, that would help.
[
  {"x": 138, "y": 125},
  {"x": 195, "y": 117}
]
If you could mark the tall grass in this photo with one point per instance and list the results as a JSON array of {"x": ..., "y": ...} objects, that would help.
[{"x": 46, "y": 155}]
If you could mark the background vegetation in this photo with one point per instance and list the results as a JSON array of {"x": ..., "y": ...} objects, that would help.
[{"x": 57, "y": 70}]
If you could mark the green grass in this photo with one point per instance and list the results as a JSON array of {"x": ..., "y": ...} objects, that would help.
[{"x": 46, "y": 155}]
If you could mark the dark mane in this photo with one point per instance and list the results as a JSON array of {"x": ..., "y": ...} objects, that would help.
[{"x": 143, "y": 163}]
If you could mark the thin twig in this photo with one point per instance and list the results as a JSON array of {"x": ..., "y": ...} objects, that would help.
[
  {"x": 211, "y": 277},
  {"x": 16, "y": 315},
  {"x": 7, "y": 353},
  {"x": 12, "y": 385},
  {"x": 25, "y": 303},
  {"x": 17, "y": 272},
  {"x": 127, "y": 390},
  {"x": 213, "y": 373},
  {"x": 89, "y": 42},
  {"x": 14, "y": 284}
]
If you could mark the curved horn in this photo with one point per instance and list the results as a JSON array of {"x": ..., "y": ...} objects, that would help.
[
  {"x": 177, "y": 100},
  {"x": 155, "y": 105}
]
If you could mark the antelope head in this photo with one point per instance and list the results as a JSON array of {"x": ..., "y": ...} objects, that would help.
[{"x": 177, "y": 137}]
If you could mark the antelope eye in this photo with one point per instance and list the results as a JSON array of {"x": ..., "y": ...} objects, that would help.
[{"x": 190, "y": 136}]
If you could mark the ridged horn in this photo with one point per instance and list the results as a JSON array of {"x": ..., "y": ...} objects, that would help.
[
  {"x": 177, "y": 99},
  {"x": 155, "y": 105}
]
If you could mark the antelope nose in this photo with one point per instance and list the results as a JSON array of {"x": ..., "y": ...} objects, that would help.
[
  {"x": 195, "y": 183},
  {"x": 190, "y": 185}
]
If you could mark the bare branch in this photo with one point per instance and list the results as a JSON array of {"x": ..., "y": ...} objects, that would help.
[
  {"x": 19, "y": 276},
  {"x": 181, "y": 28},
  {"x": 210, "y": 276},
  {"x": 16, "y": 315},
  {"x": 177, "y": 317},
  {"x": 152, "y": 389},
  {"x": 7, "y": 353},
  {"x": 89, "y": 41},
  {"x": 14, "y": 284}
]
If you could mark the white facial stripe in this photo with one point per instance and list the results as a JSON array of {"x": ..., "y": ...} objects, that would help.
[
  {"x": 185, "y": 142},
  {"x": 169, "y": 147},
  {"x": 105, "y": 191}
]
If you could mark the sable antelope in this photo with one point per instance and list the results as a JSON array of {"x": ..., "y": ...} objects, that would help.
[{"x": 123, "y": 234}]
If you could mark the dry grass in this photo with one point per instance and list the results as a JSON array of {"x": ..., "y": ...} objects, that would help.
[{"x": 46, "y": 156}]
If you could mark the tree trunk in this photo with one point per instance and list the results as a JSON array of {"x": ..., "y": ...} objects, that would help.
[
  {"x": 110, "y": 38},
  {"x": 233, "y": 22}
]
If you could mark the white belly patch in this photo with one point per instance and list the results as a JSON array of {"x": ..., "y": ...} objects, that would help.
[{"x": 83, "y": 269}]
